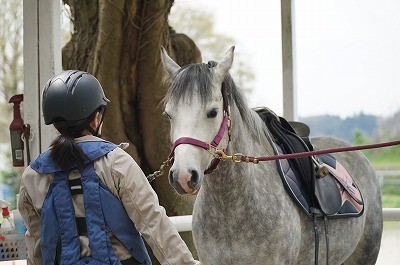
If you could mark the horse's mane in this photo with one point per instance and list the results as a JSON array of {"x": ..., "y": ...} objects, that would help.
[{"x": 200, "y": 76}]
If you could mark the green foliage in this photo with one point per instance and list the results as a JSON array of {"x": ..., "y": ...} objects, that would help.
[
  {"x": 199, "y": 26},
  {"x": 359, "y": 137},
  {"x": 11, "y": 83},
  {"x": 10, "y": 178},
  {"x": 11, "y": 65}
]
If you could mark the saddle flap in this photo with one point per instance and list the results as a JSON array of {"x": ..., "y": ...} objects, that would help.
[
  {"x": 351, "y": 201},
  {"x": 328, "y": 194},
  {"x": 345, "y": 180}
]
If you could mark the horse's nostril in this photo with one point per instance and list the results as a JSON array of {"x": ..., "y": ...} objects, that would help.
[
  {"x": 194, "y": 179},
  {"x": 171, "y": 177}
]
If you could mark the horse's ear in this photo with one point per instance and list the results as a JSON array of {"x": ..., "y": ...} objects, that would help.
[
  {"x": 223, "y": 67},
  {"x": 170, "y": 65}
]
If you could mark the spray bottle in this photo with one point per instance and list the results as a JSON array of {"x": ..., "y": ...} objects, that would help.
[
  {"x": 7, "y": 227},
  {"x": 16, "y": 131}
]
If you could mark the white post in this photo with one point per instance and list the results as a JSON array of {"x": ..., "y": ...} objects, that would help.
[
  {"x": 391, "y": 214},
  {"x": 182, "y": 223},
  {"x": 289, "y": 60},
  {"x": 42, "y": 59}
]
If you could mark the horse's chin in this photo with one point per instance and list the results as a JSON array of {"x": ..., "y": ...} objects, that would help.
[
  {"x": 194, "y": 192},
  {"x": 182, "y": 192}
]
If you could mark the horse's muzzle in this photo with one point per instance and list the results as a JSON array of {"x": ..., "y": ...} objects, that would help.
[{"x": 184, "y": 182}]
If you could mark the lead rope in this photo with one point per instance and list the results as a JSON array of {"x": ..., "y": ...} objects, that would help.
[{"x": 239, "y": 157}]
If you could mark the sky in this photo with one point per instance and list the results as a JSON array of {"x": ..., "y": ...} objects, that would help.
[{"x": 347, "y": 53}]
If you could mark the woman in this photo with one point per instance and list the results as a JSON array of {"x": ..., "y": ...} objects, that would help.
[{"x": 71, "y": 216}]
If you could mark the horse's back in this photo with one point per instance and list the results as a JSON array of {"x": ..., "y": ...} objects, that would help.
[{"x": 367, "y": 229}]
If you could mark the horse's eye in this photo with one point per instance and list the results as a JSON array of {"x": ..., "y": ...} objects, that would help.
[
  {"x": 212, "y": 113},
  {"x": 166, "y": 114}
]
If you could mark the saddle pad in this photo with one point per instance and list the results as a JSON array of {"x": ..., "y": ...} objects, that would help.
[{"x": 351, "y": 200}]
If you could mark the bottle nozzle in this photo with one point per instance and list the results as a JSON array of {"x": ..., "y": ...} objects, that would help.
[{"x": 4, "y": 207}]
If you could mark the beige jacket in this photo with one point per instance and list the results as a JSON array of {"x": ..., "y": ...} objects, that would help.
[{"x": 120, "y": 173}]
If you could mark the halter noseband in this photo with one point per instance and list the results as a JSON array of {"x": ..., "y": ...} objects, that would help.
[{"x": 226, "y": 124}]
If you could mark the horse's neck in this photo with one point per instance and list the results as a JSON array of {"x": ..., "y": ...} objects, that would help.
[
  {"x": 249, "y": 137},
  {"x": 230, "y": 178}
]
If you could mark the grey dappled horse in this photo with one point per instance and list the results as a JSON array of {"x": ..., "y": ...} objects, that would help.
[{"x": 242, "y": 213}]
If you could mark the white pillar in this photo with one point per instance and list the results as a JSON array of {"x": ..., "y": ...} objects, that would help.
[
  {"x": 289, "y": 60},
  {"x": 42, "y": 59}
]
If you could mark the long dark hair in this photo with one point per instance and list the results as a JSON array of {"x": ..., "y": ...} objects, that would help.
[{"x": 66, "y": 152}]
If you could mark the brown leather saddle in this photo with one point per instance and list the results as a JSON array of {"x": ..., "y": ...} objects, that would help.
[{"x": 320, "y": 185}]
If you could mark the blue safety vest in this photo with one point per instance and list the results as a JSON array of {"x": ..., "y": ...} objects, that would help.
[{"x": 104, "y": 214}]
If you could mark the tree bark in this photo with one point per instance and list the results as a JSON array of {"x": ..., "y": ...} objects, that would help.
[{"x": 119, "y": 42}]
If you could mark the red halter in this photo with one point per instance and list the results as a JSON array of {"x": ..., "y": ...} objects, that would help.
[{"x": 226, "y": 124}]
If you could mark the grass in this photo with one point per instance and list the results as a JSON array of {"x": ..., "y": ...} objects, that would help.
[
  {"x": 384, "y": 158},
  {"x": 389, "y": 160},
  {"x": 385, "y": 165},
  {"x": 391, "y": 192},
  {"x": 391, "y": 225},
  {"x": 390, "y": 201}
]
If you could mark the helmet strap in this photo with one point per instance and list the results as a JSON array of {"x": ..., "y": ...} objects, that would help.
[
  {"x": 95, "y": 132},
  {"x": 92, "y": 131}
]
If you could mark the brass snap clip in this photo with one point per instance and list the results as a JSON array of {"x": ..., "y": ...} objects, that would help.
[
  {"x": 221, "y": 155},
  {"x": 237, "y": 157}
]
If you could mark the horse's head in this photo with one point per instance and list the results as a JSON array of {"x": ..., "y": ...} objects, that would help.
[{"x": 196, "y": 108}]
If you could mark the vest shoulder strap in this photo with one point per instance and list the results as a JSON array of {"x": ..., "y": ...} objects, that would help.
[
  {"x": 93, "y": 150},
  {"x": 104, "y": 213}
]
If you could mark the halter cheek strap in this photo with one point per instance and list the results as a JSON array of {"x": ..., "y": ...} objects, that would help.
[{"x": 207, "y": 146}]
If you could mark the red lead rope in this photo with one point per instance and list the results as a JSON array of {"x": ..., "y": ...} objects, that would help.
[{"x": 255, "y": 160}]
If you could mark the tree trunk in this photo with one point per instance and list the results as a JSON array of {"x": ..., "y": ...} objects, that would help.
[{"x": 119, "y": 42}]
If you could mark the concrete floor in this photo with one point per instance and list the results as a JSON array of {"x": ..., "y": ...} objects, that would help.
[
  {"x": 390, "y": 248},
  {"x": 389, "y": 254}
]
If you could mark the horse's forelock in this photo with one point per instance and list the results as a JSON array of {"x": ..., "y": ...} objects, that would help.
[
  {"x": 187, "y": 79},
  {"x": 201, "y": 76}
]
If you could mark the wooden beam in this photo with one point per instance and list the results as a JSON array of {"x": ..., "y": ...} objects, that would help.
[
  {"x": 288, "y": 60},
  {"x": 42, "y": 59}
]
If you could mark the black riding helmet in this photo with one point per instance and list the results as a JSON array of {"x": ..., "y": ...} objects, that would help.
[{"x": 70, "y": 98}]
